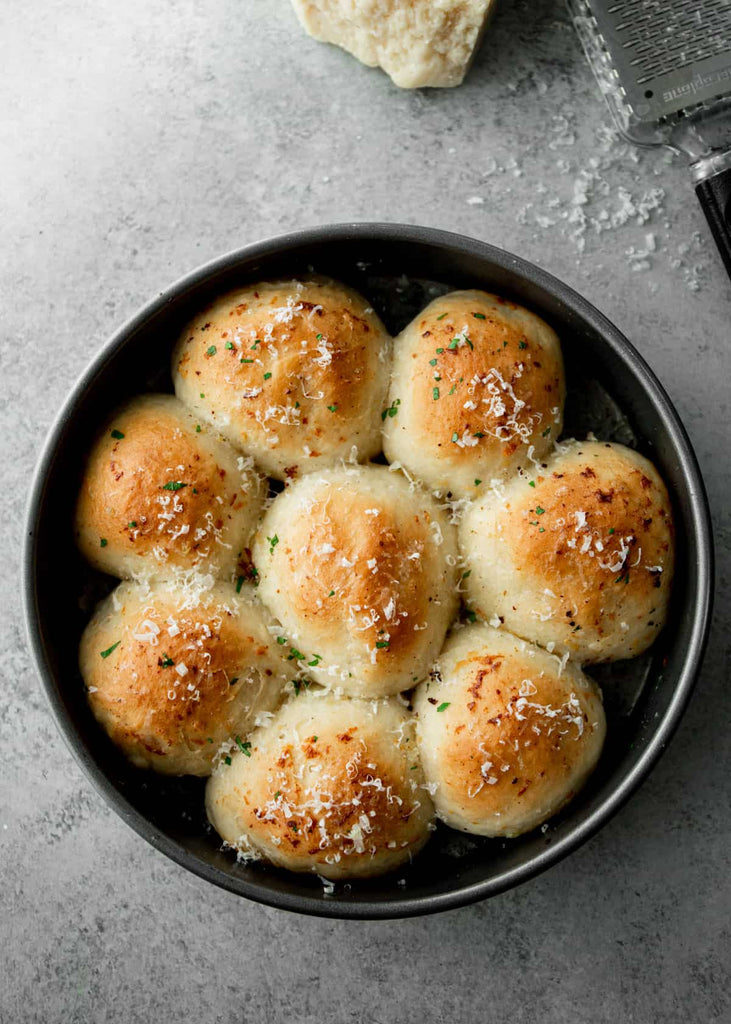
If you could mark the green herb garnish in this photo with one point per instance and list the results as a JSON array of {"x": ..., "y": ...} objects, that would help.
[
  {"x": 105, "y": 654},
  {"x": 117, "y": 434},
  {"x": 392, "y": 409},
  {"x": 211, "y": 351},
  {"x": 173, "y": 485},
  {"x": 273, "y": 541},
  {"x": 444, "y": 705}
]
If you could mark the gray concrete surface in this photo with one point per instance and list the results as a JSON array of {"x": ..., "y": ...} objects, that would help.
[{"x": 140, "y": 139}]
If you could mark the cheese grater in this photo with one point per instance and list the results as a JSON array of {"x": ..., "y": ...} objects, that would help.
[{"x": 664, "y": 67}]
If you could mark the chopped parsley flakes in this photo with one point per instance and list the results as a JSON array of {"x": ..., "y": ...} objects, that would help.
[
  {"x": 392, "y": 409},
  {"x": 211, "y": 351},
  {"x": 273, "y": 541},
  {"x": 105, "y": 654},
  {"x": 173, "y": 485},
  {"x": 117, "y": 434},
  {"x": 443, "y": 706}
]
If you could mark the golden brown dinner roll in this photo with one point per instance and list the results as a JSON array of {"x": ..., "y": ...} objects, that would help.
[
  {"x": 162, "y": 491},
  {"x": 507, "y": 733},
  {"x": 477, "y": 390},
  {"x": 580, "y": 556},
  {"x": 330, "y": 785},
  {"x": 172, "y": 674},
  {"x": 358, "y": 566},
  {"x": 294, "y": 373}
]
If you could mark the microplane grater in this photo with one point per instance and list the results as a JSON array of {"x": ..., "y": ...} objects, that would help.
[{"x": 664, "y": 67}]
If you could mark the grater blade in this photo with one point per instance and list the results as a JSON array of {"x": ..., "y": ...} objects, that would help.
[{"x": 657, "y": 59}]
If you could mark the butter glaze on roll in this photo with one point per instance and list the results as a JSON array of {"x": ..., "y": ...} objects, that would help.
[
  {"x": 294, "y": 373},
  {"x": 330, "y": 785},
  {"x": 359, "y": 567},
  {"x": 582, "y": 560},
  {"x": 507, "y": 733},
  {"x": 172, "y": 675},
  {"x": 478, "y": 388},
  {"x": 163, "y": 492}
]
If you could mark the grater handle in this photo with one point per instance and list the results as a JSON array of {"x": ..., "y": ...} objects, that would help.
[{"x": 714, "y": 195}]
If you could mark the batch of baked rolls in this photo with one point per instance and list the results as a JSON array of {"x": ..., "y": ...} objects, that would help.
[{"x": 350, "y": 646}]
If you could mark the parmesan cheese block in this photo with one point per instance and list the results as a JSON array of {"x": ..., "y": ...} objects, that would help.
[{"x": 417, "y": 42}]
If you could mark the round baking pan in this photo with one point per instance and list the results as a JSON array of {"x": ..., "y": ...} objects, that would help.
[{"x": 612, "y": 391}]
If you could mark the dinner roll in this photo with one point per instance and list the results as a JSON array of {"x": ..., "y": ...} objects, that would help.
[
  {"x": 294, "y": 373},
  {"x": 507, "y": 733},
  {"x": 162, "y": 491},
  {"x": 330, "y": 785},
  {"x": 359, "y": 567},
  {"x": 172, "y": 674},
  {"x": 477, "y": 390},
  {"x": 580, "y": 556}
]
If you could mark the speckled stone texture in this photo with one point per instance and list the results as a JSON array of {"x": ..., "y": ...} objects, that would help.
[{"x": 141, "y": 139}]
